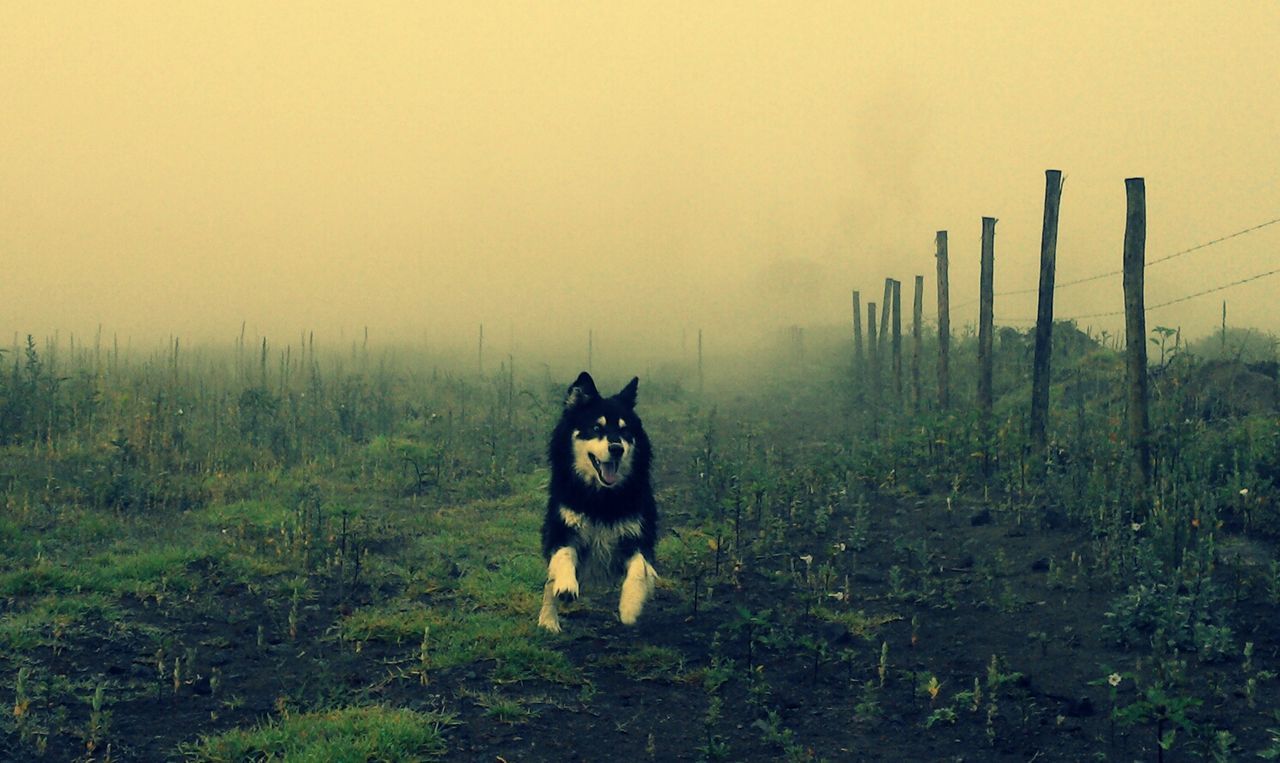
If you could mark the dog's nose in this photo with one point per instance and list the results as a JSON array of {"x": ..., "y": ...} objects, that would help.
[{"x": 615, "y": 449}]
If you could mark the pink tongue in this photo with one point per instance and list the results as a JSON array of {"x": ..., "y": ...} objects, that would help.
[{"x": 609, "y": 472}]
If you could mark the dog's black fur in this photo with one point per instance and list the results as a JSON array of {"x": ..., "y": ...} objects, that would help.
[{"x": 600, "y": 505}]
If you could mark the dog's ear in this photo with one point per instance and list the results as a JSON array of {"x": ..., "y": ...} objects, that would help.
[
  {"x": 628, "y": 394},
  {"x": 582, "y": 391}
]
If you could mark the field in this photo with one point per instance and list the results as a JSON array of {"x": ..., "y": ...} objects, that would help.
[{"x": 334, "y": 555}]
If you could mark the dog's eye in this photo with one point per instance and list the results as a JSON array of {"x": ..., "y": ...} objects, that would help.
[{"x": 597, "y": 429}]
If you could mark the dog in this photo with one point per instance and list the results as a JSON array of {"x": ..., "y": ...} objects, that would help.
[{"x": 602, "y": 520}]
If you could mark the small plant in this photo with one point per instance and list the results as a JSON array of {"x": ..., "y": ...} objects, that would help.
[
  {"x": 424, "y": 655},
  {"x": 98, "y": 721},
  {"x": 882, "y": 670},
  {"x": 930, "y": 687},
  {"x": 868, "y": 707},
  {"x": 1168, "y": 712},
  {"x": 945, "y": 715},
  {"x": 1213, "y": 642},
  {"x": 715, "y": 746},
  {"x": 897, "y": 584},
  {"x": 1272, "y": 750}
]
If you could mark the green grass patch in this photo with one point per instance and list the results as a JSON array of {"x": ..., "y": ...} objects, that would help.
[
  {"x": 512, "y": 586},
  {"x": 859, "y": 623},
  {"x": 43, "y": 577},
  {"x": 250, "y": 519},
  {"x": 462, "y": 637},
  {"x": 502, "y": 708},
  {"x": 336, "y": 736},
  {"x": 49, "y": 619},
  {"x": 648, "y": 663}
]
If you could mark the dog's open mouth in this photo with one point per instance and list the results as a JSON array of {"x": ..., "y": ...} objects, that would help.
[{"x": 606, "y": 470}]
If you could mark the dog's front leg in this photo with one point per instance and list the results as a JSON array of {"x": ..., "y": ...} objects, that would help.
[
  {"x": 637, "y": 587},
  {"x": 562, "y": 581}
]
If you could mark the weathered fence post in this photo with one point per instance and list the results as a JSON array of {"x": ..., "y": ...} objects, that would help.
[
  {"x": 1223, "y": 346},
  {"x": 917, "y": 308},
  {"x": 886, "y": 305},
  {"x": 1044, "y": 322},
  {"x": 944, "y": 323},
  {"x": 859, "y": 371},
  {"x": 986, "y": 279},
  {"x": 873, "y": 355},
  {"x": 699, "y": 361},
  {"x": 1135, "y": 327},
  {"x": 985, "y": 331},
  {"x": 897, "y": 342}
]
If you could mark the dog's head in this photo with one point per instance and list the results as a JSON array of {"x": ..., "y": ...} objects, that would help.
[{"x": 605, "y": 433}]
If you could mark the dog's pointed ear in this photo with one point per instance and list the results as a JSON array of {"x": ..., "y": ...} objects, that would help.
[
  {"x": 582, "y": 391},
  {"x": 628, "y": 394}
]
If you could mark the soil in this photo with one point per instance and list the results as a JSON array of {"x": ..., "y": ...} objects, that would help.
[{"x": 1055, "y": 707}]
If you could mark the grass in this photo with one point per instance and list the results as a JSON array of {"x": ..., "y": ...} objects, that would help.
[
  {"x": 346, "y": 735},
  {"x": 358, "y": 536},
  {"x": 648, "y": 662}
]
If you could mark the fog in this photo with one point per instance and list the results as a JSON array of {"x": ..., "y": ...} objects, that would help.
[{"x": 640, "y": 171}]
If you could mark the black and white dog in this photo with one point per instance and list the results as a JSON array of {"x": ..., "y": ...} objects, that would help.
[{"x": 601, "y": 520}]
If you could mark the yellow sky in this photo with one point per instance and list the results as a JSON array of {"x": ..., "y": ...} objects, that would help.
[{"x": 545, "y": 168}]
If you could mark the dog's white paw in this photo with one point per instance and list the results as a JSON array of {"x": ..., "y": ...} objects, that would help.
[
  {"x": 636, "y": 589},
  {"x": 562, "y": 574},
  {"x": 565, "y": 590},
  {"x": 549, "y": 621}
]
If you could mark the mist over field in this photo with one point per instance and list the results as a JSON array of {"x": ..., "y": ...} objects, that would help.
[
  {"x": 637, "y": 171},
  {"x": 297, "y": 461}
]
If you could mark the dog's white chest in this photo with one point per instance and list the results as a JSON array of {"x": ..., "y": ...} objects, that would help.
[{"x": 599, "y": 540}]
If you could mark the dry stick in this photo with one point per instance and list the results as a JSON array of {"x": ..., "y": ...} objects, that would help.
[
  {"x": 985, "y": 330},
  {"x": 897, "y": 342},
  {"x": 1135, "y": 327},
  {"x": 917, "y": 308},
  {"x": 944, "y": 323},
  {"x": 1044, "y": 322}
]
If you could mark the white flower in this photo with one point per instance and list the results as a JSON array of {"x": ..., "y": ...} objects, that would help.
[
  {"x": 807, "y": 558},
  {"x": 1244, "y": 491},
  {"x": 1136, "y": 526},
  {"x": 839, "y": 547},
  {"x": 838, "y": 595},
  {"x": 1114, "y": 679}
]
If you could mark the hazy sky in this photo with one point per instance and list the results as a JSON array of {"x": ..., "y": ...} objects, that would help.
[{"x": 545, "y": 168}]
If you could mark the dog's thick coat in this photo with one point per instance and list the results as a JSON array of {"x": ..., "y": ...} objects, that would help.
[{"x": 601, "y": 521}]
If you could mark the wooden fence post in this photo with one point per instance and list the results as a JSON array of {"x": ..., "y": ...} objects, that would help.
[
  {"x": 897, "y": 342},
  {"x": 873, "y": 355},
  {"x": 944, "y": 323},
  {"x": 699, "y": 361},
  {"x": 985, "y": 313},
  {"x": 1135, "y": 327},
  {"x": 985, "y": 338},
  {"x": 859, "y": 371},
  {"x": 1044, "y": 322},
  {"x": 917, "y": 308},
  {"x": 886, "y": 305}
]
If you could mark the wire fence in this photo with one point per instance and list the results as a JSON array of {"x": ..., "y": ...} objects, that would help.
[{"x": 1157, "y": 261}]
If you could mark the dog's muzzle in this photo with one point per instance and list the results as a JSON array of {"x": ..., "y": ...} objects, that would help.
[{"x": 607, "y": 471}]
